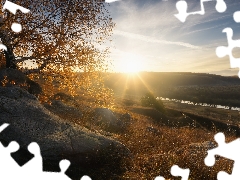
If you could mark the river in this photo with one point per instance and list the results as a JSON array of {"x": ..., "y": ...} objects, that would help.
[{"x": 200, "y": 104}]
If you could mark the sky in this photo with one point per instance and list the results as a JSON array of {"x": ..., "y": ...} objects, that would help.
[{"x": 148, "y": 37}]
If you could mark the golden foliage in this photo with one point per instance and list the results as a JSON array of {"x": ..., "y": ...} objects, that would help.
[{"x": 61, "y": 40}]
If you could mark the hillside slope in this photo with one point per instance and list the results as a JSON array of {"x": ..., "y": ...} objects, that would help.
[{"x": 196, "y": 87}]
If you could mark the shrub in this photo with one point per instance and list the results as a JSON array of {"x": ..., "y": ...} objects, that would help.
[{"x": 149, "y": 100}]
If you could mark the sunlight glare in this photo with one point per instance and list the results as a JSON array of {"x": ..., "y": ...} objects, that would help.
[{"x": 131, "y": 63}]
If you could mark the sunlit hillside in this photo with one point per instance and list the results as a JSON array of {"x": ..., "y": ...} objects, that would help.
[{"x": 196, "y": 87}]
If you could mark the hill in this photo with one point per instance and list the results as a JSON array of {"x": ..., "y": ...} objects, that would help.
[{"x": 195, "y": 87}]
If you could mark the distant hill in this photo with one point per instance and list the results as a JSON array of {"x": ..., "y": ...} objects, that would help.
[
  {"x": 197, "y": 87},
  {"x": 176, "y": 78}
]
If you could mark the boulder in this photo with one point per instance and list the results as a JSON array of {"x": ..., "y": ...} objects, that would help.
[
  {"x": 153, "y": 130},
  {"x": 12, "y": 77},
  {"x": 107, "y": 120},
  {"x": 125, "y": 117},
  {"x": 63, "y": 97},
  {"x": 31, "y": 122},
  {"x": 64, "y": 111}
]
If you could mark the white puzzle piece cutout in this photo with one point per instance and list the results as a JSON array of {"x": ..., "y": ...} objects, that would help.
[
  {"x": 159, "y": 178},
  {"x": 3, "y": 47},
  {"x": 177, "y": 171},
  {"x": 228, "y": 150},
  {"x": 14, "y": 7},
  {"x": 182, "y": 9},
  {"x": 222, "y": 51},
  {"x": 33, "y": 169},
  {"x": 16, "y": 27}
]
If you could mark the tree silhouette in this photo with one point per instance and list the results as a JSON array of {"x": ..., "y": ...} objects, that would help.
[
  {"x": 58, "y": 39},
  {"x": 149, "y": 100}
]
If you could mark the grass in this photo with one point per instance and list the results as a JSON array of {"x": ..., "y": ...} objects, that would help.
[
  {"x": 225, "y": 115},
  {"x": 156, "y": 147},
  {"x": 154, "y": 152}
]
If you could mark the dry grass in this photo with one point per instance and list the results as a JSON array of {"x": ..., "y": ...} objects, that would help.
[
  {"x": 156, "y": 149},
  {"x": 210, "y": 112}
]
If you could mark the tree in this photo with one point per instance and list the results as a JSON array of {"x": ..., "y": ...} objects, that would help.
[
  {"x": 149, "y": 100},
  {"x": 60, "y": 41}
]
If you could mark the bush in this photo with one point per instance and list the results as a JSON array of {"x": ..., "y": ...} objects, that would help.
[{"x": 149, "y": 100}]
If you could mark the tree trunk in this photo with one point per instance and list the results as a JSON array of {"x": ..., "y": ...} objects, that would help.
[{"x": 10, "y": 58}]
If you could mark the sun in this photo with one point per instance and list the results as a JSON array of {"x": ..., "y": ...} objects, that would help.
[
  {"x": 131, "y": 67},
  {"x": 131, "y": 63}
]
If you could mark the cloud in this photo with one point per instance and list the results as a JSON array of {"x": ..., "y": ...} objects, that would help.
[
  {"x": 149, "y": 29},
  {"x": 153, "y": 40},
  {"x": 205, "y": 29}
]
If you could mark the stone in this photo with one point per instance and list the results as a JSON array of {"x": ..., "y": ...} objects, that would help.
[
  {"x": 64, "y": 111},
  {"x": 30, "y": 121},
  {"x": 12, "y": 77},
  {"x": 107, "y": 120}
]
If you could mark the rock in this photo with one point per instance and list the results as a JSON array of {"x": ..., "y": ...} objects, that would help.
[
  {"x": 12, "y": 77},
  {"x": 125, "y": 117},
  {"x": 153, "y": 130},
  {"x": 63, "y": 97},
  {"x": 30, "y": 121},
  {"x": 107, "y": 120},
  {"x": 64, "y": 111}
]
